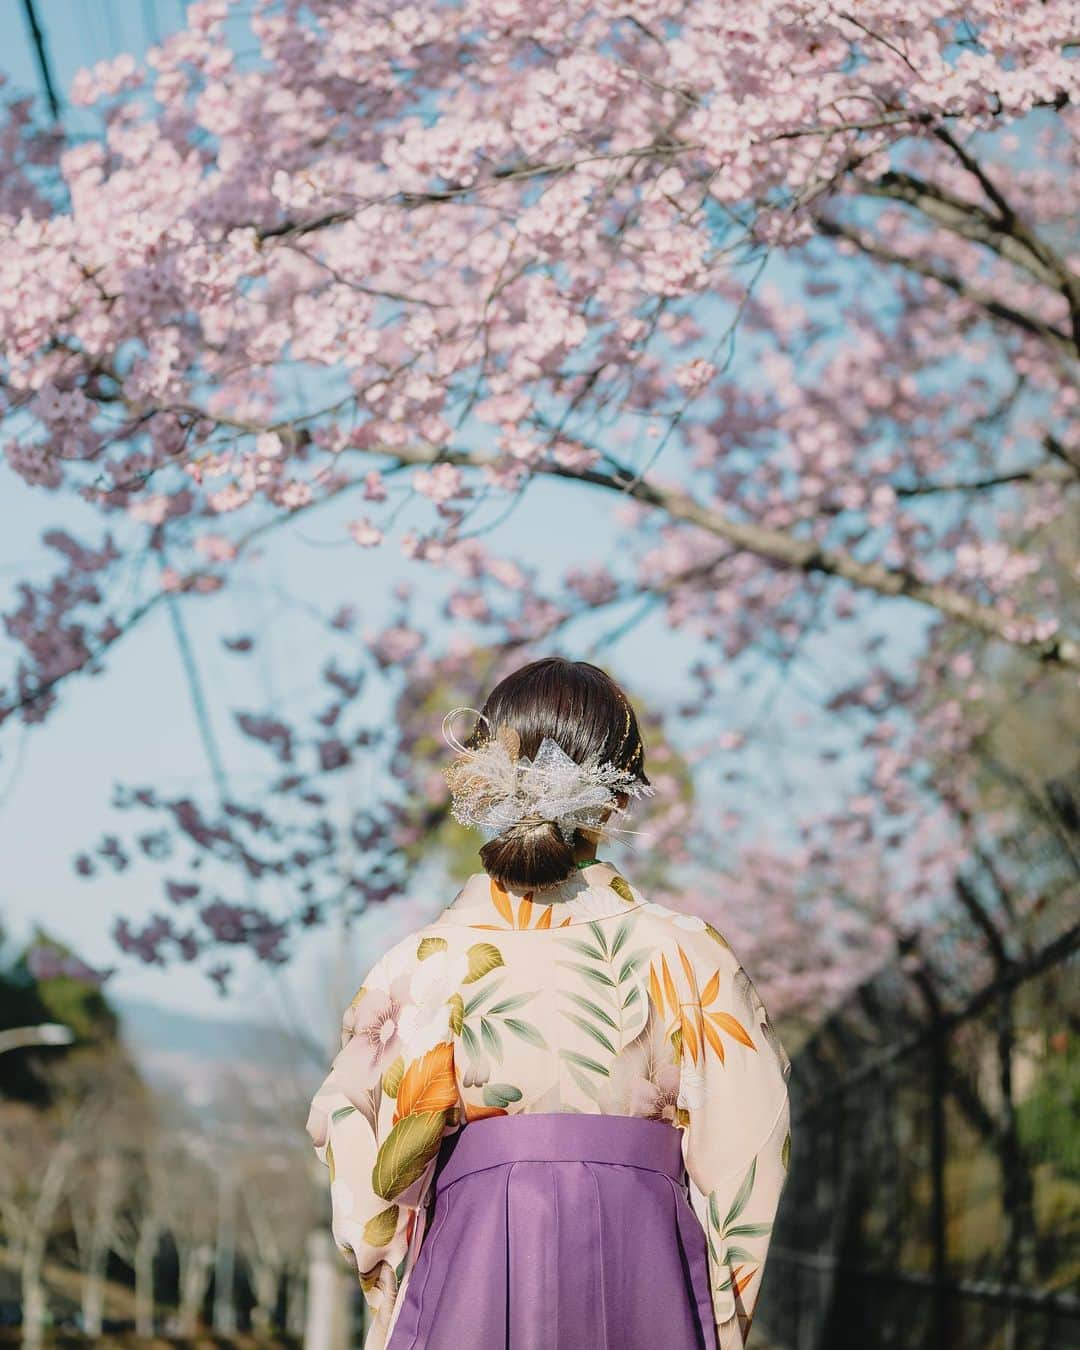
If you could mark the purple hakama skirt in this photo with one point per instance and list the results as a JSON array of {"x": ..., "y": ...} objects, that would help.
[{"x": 559, "y": 1231}]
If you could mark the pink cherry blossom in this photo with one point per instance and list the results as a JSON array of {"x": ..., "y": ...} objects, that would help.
[
  {"x": 779, "y": 301},
  {"x": 364, "y": 532}
]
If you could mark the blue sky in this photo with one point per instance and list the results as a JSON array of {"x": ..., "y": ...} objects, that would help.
[{"x": 135, "y": 724}]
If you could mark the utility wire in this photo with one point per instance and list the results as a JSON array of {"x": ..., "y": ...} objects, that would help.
[
  {"x": 114, "y": 37},
  {"x": 37, "y": 37},
  {"x": 150, "y": 28},
  {"x": 198, "y": 700}
]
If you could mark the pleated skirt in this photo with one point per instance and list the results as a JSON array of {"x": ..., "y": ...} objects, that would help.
[{"x": 559, "y": 1231}]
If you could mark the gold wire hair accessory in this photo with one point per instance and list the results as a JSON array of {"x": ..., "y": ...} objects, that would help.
[
  {"x": 493, "y": 786},
  {"x": 626, "y": 731}
]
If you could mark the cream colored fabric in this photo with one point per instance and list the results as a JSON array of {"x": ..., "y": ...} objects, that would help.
[{"x": 583, "y": 997}]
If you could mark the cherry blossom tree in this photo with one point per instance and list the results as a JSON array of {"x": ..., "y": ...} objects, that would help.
[{"x": 791, "y": 292}]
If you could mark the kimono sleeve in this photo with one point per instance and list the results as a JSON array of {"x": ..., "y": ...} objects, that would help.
[
  {"x": 733, "y": 1096},
  {"x": 379, "y": 1116}
]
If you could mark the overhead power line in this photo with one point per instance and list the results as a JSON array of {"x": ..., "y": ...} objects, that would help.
[
  {"x": 37, "y": 37},
  {"x": 150, "y": 28}
]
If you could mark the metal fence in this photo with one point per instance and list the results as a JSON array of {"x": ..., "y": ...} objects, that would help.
[{"x": 934, "y": 1186}]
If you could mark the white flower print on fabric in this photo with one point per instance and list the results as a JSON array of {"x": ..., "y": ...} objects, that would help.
[
  {"x": 423, "y": 1021},
  {"x": 691, "y": 1088}
]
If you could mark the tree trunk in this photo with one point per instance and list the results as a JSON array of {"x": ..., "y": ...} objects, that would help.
[
  {"x": 35, "y": 1304},
  {"x": 106, "y": 1197},
  {"x": 1017, "y": 1200},
  {"x": 225, "y": 1258},
  {"x": 295, "y": 1301},
  {"x": 266, "y": 1279},
  {"x": 34, "y": 1307},
  {"x": 195, "y": 1265},
  {"x": 145, "y": 1252}
]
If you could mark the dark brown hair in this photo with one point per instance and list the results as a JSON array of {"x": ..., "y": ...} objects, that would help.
[{"x": 585, "y": 712}]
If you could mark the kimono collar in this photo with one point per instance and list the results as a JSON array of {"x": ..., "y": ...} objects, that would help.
[{"x": 593, "y": 892}]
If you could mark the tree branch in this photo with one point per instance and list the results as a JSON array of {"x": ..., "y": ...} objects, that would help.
[
  {"x": 1011, "y": 224},
  {"x": 991, "y": 304},
  {"x": 1036, "y": 473},
  {"x": 1005, "y": 235},
  {"x": 784, "y": 550}
]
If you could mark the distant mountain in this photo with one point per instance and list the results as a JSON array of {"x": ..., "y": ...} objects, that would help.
[
  {"x": 150, "y": 1026},
  {"x": 190, "y": 1053}
]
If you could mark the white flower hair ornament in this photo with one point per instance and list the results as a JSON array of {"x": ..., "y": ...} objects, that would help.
[{"x": 494, "y": 786}]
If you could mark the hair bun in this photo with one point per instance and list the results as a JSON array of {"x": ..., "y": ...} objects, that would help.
[{"x": 528, "y": 855}]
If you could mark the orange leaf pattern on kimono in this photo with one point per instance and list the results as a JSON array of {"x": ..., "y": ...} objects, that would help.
[
  {"x": 428, "y": 1083},
  {"x": 581, "y": 997}
]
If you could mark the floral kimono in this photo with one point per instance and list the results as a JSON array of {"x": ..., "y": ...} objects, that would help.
[{"x": 583, "y": 997}]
